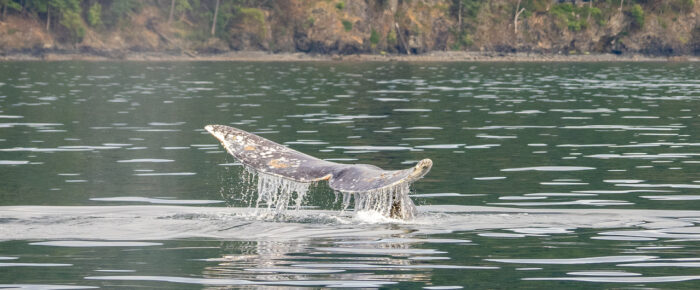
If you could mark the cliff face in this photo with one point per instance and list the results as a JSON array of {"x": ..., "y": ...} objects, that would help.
[
  {"x": 348, "y": 27},
  {"x": 381, "y": 26},
  {"x": 607, "y": 29}
]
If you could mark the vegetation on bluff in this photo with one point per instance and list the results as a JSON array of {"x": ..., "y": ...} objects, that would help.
[{"x": 360, "y": 26}]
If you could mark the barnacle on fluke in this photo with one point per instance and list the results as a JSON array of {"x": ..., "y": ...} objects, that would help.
[{"x": 279, "y": 168}]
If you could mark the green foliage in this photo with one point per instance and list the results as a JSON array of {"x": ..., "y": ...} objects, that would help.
[
  {"x": 227, "y": 12},
  {"x": 347, "y": 25},
  {"x": 255, "y": 14},
  {"x": 374, "y": 37},
  {"x": 37, "y": 6},
  {"x": 66, "y": 5},
  {"x": 309, "y": 22},
  {"x": 10, "y": 4},
  {"x": 562, "y": 10},
  {"x": 572, "y": 17},
  {"x": 121, "y": 7},
  {"x": 69, "y": 16},
  {"x": 637, "y": 14},
  {"x": 535, "y": 5},
  {"x": 688, "y": 4},
  {"x": 182, "y": 6},
  {"x": 94, "y": 15},
  {"x": 116, "y": 10},
  {"x": 466, "y": 40},
  {"x": 71, "y": 20},
  {"x": 469, "y": 10},
  {"x": 681, "y": 6},
  {"x": 391, "y": 37},
  {"x": 595, "y": 12}
]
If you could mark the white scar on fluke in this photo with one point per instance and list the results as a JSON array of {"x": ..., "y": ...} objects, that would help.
[{"x": 282, "y": 171}]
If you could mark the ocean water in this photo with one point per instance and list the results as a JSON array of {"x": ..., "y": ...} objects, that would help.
[{"x": 545, "y": 175}]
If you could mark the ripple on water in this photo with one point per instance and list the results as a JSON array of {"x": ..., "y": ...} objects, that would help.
[
  {"x": 541, "y": 231},
  {"x": 372, "y": 148},
  {"x": 657, "y": 279},
  {"x": 482, "y": 146},
  {"x": 407, "y": 240},
  {"x": 424, "y": 128},
  {"x": 155, "y": 200},
  {"x": 440, "y": 146},
  {"x": 294, "y": 270},
  {"x": 663, "y": 264},
  {"x": 166, "y": 174},
  {"x": 577, "y": 261},
  {"x": 412, "y": 110},
  {"x": 489, "y": 178},
  {"x": 384, "y": 266},
  {"x": 486, "y": 136},
  {"x": 91, "y": 244},
  {"x": 592, "y": 202},
  {"x": 622, "y": 238},
  {"x": 380, "y": 251},
  {"x": 45, "y": 286},
  {"x": 13, "y": 162},
  {"x": 549, "y": 168},
  {"x": 603, "y": 273},
  {"x": 445, "y": 194},
  {"x": 145, "y": 160},
  {"x": 34, "y": 265},
  {"x": 671, "y": 197},
  {"x": 237, "y": 282}
]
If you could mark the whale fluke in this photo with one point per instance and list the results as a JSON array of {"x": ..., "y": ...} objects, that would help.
[{"x": 268, "y": 157}]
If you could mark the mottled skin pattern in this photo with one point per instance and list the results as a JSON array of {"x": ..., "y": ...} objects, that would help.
[{"x": 271, "y": 158}]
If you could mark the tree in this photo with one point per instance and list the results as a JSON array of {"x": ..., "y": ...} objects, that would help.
[
  {"x": 68, "y": 16},
  {"x": 94, "y": 15},
  {"x": 9, "y": 4},
  {"x": 116, "y": 11},
  {"x": 213, "y": 23},
  {"x": 622, "y": 2},
  {"x": 172, "y": 10},
  {"x": 518, "y": 11}
]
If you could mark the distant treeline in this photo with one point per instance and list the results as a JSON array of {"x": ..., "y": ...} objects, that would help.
[{"x": 412, "y": 25}]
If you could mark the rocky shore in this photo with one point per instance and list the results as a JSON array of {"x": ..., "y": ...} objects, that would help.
[{"x": 440, "y": 56}]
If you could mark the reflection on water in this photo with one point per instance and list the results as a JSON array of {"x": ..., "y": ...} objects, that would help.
[{"x": 582, "y": 149}]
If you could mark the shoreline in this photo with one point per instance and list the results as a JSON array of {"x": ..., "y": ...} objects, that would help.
[{"x": 262, "y": 56}]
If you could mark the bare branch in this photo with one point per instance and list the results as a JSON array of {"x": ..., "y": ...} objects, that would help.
[{"x": 518, "y": 11}]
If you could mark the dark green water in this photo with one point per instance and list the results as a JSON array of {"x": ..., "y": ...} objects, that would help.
[{"x": 620, "y": 137}]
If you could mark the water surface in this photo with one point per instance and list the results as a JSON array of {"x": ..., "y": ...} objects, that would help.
[{"x": 545, "y": 175}]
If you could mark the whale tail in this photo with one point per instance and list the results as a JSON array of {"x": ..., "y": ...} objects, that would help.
[{"x": 365, "y": 182}]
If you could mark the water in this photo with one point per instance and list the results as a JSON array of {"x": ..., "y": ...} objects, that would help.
[{"x": 545, "y": 175}]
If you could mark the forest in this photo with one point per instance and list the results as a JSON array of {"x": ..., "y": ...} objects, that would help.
[{"x": 112, "y": 27}]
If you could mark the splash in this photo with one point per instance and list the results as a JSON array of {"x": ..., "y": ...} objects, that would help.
[
  {"x": 271, "y": 196},
  {"x": 390, "y": 201},
  {"x": 276, "y": 192}
]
